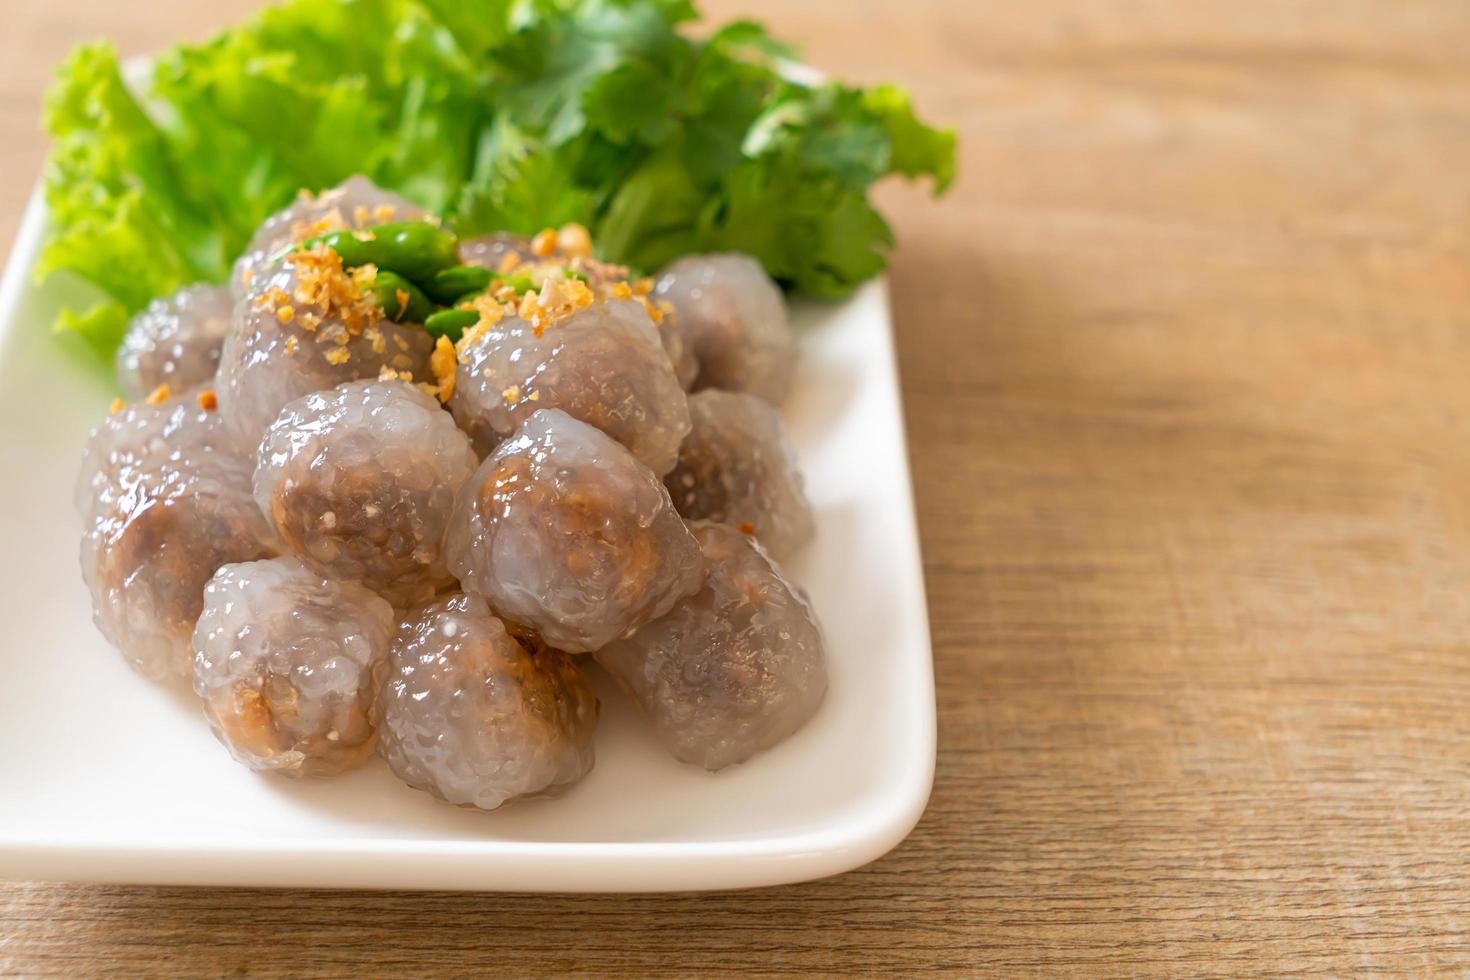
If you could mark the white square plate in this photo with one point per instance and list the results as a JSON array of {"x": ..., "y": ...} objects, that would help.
[{"x": 104, "y": 776}]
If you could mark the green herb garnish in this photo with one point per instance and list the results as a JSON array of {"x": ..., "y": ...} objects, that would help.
[{"x": 510, "y": 115}]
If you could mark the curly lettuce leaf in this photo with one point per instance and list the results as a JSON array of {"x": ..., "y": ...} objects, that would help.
[{"x": 121, "y": 215}]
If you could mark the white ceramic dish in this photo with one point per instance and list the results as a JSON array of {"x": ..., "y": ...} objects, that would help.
[{"x": 106, "y": 777}]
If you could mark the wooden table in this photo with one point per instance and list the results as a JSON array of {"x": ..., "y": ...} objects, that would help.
[{"x": 1186, "y": 357}]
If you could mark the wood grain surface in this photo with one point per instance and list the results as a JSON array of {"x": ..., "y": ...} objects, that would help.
[{"x": 1186, "y": 361}]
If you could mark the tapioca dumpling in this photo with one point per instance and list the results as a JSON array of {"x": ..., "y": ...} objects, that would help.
[
  {"x": 145, "y": 434},
  {"x": 355, "y": 203},
  {"x": 471, "y": 716},
  {"x": 562, "y": 530},
  {"x": 733, "y": 319},
  {"x": 735, "y": 668},
  {"x": 680, "y": 352},
  {"x": 571, "y": 247},
  {"x": 359, "y": 481},
  {"x": 737, "y": 467},
  {"x": 489, "y": 251},
  {"x": 152, "y": 541},
  {"x": 175, "y": 341},
  {"x": 288, "y": 665},
  {"x": 603, "y": 365},
  {"x": 303, "y": 326}
]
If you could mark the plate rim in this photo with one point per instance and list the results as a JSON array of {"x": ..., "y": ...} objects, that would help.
[{"x": 857, "y": 835}]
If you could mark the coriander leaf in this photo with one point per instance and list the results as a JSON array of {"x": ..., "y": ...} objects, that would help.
[
  {"x": 649, "y": 220},
  {"x": 521, "y": 186},
  {"x": 631, "y": 102},
  {"x": 750, "y": 35},
  {"x": 561, "y": 56},
  {"x": 917, "y": 149}
]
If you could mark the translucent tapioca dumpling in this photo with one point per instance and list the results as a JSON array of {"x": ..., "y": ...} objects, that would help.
[
  {"x": 359, "y": 481},
  {"x": 490, "y": 251},
  {"x": 602, "y": 364},
  {"x": 680, "y": 352},
  {"x": 355, "y": 203},
  {"x": 175, "y": 341},
  {"x": 567, "y": 247},
  {"x": 154, "y": 538},
  {"x": 737, "y": 467},
  {"x": 733, "y": 318},
  {"x": 471, "y": 716},
  {"x": 304, "y": 325},
  {"x": 145, "y": 433},
  {"x": 562, "y": 530},
  {"x": 288, "y": 665},
  {"x": 735, "y": 668}
]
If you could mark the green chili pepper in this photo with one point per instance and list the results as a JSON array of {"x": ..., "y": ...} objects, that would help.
[
  {"x": 451, "y": 323},
  {"x": 446, "y": 284},
  {"x": 385, "y": 290},
  {"x": 415, "y": 249},
  {"x": 521, "y": 284}
]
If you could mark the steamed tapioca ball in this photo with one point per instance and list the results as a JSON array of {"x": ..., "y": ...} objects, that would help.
[
  {"x": 680, "y": 352},
  {"x": 472, "y": 717},
  {"x": 562, "y": 530},
  {"x": 288, "y": 665},
  {"x": 569, "y": 247},
  {"x": 359, "y": 481},
  {"x": 153, "y": 543},
  {"x": 490, "y": 251},
  {"x": 307, "y": 324},
  {"x": 737, "y": 467},
  {"x": 166, "y": 428},
  {"x": 355, "y": 203},
  {"x": 733, "y": 318},
  {"x": 175, "y": 341},
  {"x": 601, "y": 363},
  {"x": 735, "y": 668}
]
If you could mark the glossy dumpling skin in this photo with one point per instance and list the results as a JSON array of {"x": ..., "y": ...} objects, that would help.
[
  {"x": 175, "y": 341},
  {"x": 489, "y": 251},
  {"x": 492, "y": 252},
  {"x": 359, "y": 481},
  {"x": 680, "y": 352},
  {"x": 161, "y": 516},
  {"x": 471, "y": 716},
  {"x": 562, "y": 530},
  {"x": 734, "y": 669},
  {"x": 737, "y": 467},
  {"x": 355, "y": 203},
  {"x": 733, "y": 319},
  {"x": 145, "y": 434},
  {"x": 603, "y": 365},
  {"x": 304, "y": 326},
  {"x": 288, "y": 665}
]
